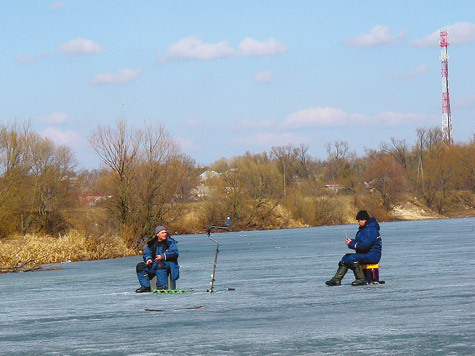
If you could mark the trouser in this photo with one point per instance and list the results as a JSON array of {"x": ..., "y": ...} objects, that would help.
[
  {"x": 159, "y": 269},
  {"x": 364, "y": 259}
]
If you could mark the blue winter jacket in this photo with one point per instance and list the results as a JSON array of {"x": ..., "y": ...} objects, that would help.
[
  {"x": 368, "y": 241},
  {"x": 168, "y": 249}
]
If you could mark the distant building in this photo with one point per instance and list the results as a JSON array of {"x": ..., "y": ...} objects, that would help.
[
  {"x": 202, "y": 189},
  {"x": 93, "y": 199},
  {"x": 207, "y": 175},
  {"x": 334, "y": 187}
]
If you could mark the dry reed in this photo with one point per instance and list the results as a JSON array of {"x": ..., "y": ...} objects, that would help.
[{"x": 26, "y": 252}]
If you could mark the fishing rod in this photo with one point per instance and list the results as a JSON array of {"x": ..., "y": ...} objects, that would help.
[{"x": 211, "y": 284}]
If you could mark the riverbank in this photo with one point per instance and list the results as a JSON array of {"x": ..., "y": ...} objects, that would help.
[{"x": 31, "y": 252}]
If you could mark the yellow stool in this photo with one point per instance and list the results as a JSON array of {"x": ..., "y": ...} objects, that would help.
[{"x": 371, "y": 273}]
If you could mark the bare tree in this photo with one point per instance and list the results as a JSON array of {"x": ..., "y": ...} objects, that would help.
[
  {"x": 337, "y": 159},
  {"x": 397, "y": 149},
  {"x": 303, "y": 158},
  {"x": 35, "y": 181},
  {"x": 13, "y": 146},
  {"x": 50, "y": 173},
  {"x": 148, "y": 175},
  {"x": 118, "y": 149},
  {"x": 261, "y": 183},
  {"x": 284, "y": 155},
  {"x": 388, "y": 178},
  {"x": 159, "y": 180}
]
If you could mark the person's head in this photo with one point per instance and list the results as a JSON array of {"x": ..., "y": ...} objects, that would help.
[
  {"x": 362, "y": 217},
  {"x": 161, "y": 233}
]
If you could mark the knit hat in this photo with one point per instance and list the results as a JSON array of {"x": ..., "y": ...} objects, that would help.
[
  {"x": 158, "y": 229},
  {"x": 362, "y": 215}
]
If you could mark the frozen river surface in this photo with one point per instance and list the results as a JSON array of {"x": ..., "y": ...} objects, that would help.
[{"x": 280, "y": 305}]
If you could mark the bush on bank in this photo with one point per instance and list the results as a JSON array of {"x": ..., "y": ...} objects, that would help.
[{"x": 30, "y": 251}]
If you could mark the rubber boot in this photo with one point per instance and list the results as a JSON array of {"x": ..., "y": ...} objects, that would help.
[
  {"x": 143, "y": 290},
  {"x": 340, "y": 273},
  {"x": 144, "y": 281},
  {"x": 359, "y": 275}
]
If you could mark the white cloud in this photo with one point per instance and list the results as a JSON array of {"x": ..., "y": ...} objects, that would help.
[
  {"x": 81, "y": 46},
  {"x": 430, "y": 41},
  {"x": 24, "y": 59},
  {"x": 62, "y": 138},
  {"x": 193, "y": 48},
  {"x": 122, "y": 76},
  {"x": 58, "y": 5},
  {"x": 409, "y": 75},
  {"x": 56, "y": 118},
  {"x": 316, "y": 116},
  {"x": 459, "y": 33},
  {"x": 252, "y": 48},
  {"x": 418, "y": 71},
  {"x": 270, "y": 139},
  {"x": 252, "y": 125},
  {"x": 333, "y": 117},
  {"x": 376, "y": 36},
  {"x": 393, "y": 119},
  {"x": 466, "y": 102},
  {"x": 187, "y": 145},
  {"x": 194, "y": 123},
  {"x": 264, "y": 77}
]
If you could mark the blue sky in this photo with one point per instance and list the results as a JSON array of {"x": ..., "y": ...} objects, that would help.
[{"x": 226, "y": 77}]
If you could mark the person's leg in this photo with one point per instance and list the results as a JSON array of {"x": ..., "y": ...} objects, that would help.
[
  {"x": 354, "y": 262},
  {"x": 143, "y": 274},
  {"x": 161, "y": 272},
  {"x": 360, "y": 278},
  {"x": 340, "y": 273}
]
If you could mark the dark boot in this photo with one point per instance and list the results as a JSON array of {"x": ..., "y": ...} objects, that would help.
[
  {"x": 161, "y": 288},
  {"x": 359, "y": 275},
  {"x": 340, "y": 273},
  {"x": 143, "y": 290}
]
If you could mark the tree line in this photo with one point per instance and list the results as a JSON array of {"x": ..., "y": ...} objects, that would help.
[{"x": 146, "y": 180}]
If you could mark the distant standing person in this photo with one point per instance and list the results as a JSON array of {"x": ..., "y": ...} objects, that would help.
[
  {"x": 160, "y": 258},
  {"x": 367, "y": 244}
]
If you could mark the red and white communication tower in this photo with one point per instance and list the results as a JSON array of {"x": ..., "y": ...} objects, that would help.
[{"x": 446, "y": 114}]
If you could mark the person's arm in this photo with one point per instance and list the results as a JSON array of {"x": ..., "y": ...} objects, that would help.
[
  {"x": 351, "y": 242},
  {"x": 147, "y": 255},
  {"x": 171, "y": 254},
  {"x": 367, "y": 237}
]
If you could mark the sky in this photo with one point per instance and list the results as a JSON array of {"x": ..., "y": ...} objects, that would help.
[{"x": 229, "y": 77}]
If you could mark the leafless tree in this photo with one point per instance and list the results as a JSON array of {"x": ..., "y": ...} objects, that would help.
[
  {"x": 118, "y": 149},
  {"x": 148, "y": 176},
  {"x": 284, "y": 157},
  {"x": 397, "y": 149},
  {"x": 388, "y": 178},
  {"x": 337, "y": 158},
  {"x": 35, "y": 181}
]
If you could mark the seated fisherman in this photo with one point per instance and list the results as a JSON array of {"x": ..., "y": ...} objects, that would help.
[
  {"x": 160, "y": 257},
  {"x": 367, "y": 244}
]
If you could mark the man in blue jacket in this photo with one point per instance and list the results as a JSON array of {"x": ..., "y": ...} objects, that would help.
[
  {"x": 367, "y": 244},
  {"x": 160, "y": 258}
]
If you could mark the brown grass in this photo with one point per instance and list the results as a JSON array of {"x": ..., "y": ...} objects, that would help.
[{"x": 26, "y": 252}]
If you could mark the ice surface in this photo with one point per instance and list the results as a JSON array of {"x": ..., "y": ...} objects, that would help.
[{"x": 280, "y": 304}]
